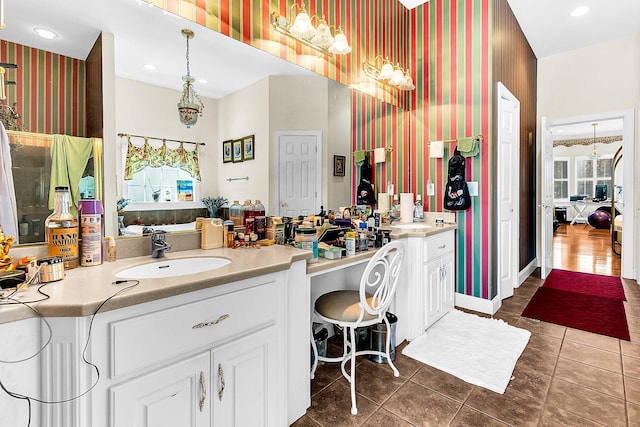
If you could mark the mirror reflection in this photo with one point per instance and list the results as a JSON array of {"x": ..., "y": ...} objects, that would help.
[
  {"x": 34, "y": 168},
  {"x": 241, "y": 98}
]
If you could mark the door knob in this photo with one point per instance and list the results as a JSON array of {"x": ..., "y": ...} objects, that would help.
[{"x": 284, "y": 204}]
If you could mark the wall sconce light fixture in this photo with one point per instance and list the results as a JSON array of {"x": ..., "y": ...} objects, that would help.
[
  {"x": 388, "y": 74},
  {"x": 188, "y": 108},
  {"x": 318, "y": 37}
]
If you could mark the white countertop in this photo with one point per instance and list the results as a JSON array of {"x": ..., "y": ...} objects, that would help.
[{"x": 84, "y": 288}]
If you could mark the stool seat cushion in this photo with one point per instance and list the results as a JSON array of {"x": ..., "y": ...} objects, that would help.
[{"x": 342, "y": 306}]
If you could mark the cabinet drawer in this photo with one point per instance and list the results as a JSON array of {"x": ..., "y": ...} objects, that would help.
[
  {"x": 437, "y": 245},
  {"x": 143, "y": 340}
]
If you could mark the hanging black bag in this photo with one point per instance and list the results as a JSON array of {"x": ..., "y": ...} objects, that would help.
[
  {"x": 456, "y": 192},
  {"x": 366, "y": 194}
]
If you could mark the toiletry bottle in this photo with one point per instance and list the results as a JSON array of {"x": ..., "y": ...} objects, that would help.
[
  {"x": 235, "y": 214},
  {"x": 395, "y": 207},
  {"x": 249, "y": 216},
  {"x": 418, "y": 211},
  {"x": 111, "y": 249},
  {"x": 350, "y": 242},
  {"x": 90, "y": 211},
  {"x": 61, "y": 230},
  {"x": 260, "y": 219}
]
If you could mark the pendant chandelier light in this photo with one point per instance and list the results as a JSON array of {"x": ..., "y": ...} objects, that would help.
[
  {"x": 594, "y": 152},
  {"x": 190, "y": 105}
]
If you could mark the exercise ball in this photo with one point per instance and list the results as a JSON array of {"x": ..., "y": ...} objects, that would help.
[{"x": 599, "y": 219}]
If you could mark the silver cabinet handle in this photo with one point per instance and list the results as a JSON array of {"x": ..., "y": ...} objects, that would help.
[
  {"x": 215, "y": 322},
  {"x": 442, "y": 247},
  {"x": 220, "y": 382},
  {"x": 203, "y": 391}
]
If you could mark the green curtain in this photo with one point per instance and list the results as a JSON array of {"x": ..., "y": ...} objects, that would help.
[
  {"x": 69, "y": 157},
  {"x": 139, "y": 158}
]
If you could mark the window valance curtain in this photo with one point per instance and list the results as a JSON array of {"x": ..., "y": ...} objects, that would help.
[
  {"x": 586, "y": 141},
  {"x": 139, "y": 158}
]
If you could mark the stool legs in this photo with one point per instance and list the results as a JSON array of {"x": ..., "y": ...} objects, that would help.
[{"x": 314, "y": 348}]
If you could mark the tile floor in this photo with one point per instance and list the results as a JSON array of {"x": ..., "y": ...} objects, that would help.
[{"x": 565, "y": 377}]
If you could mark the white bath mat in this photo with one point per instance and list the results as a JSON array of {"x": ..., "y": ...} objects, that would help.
[{"x": 476, "y": 349}]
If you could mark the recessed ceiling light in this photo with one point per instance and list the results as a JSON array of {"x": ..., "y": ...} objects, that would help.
[
  {"x": 45, "y": 34},
  {"x": 150, "y": 67},
  {"x": 203, "y": 81},
  {"x": 579, "y": 11},
  {"x": 560, "y": 130}
]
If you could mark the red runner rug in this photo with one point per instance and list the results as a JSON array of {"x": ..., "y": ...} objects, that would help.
[
  {"x": 585, "y": 283},
  {"x": 591, "y": 313}
]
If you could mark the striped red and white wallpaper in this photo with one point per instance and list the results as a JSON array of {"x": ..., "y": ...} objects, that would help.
[
  {"x": 49, "y": 90},
  {"x": 459, "y": 104}
]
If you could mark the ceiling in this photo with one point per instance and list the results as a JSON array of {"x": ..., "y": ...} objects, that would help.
[
  {"x": 145, "y": 34},
  {"x": 551, "y": 30}
]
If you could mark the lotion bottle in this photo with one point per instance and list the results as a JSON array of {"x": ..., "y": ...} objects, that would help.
[{"x": 111, "y": 249}]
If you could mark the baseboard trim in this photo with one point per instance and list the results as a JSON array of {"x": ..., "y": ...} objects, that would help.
[
  {"x": 527, "y": 271},
  {"x": 477, "y": 304}
]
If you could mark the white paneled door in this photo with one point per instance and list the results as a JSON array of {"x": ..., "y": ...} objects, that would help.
[
  {"x": 546, "y": 205},
  {"x": 508, "y": 190},
  {"x": 299, "y": 173}
]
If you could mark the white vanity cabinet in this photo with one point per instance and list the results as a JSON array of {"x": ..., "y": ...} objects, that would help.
[
  {"x": 211, "y": 361},
  {"x": 244, "y": 391},
  {"x": 438, "y": 277},
  {"x": 426, "y": 292},
  {"x": 215, "y": 357},
  {"x": 175, "y": 395},
  {"x": 233, "y": 385}
]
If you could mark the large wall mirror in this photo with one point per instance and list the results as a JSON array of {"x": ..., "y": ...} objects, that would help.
[{"x": 144, "y": 100}]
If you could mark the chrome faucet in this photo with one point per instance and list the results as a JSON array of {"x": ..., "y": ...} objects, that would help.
[
  {"x": 158, "y": 245},
  {"x": 393, "y": 218}
]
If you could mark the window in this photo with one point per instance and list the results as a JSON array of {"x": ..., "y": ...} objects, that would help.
[
  {"x": 160, "y": 174},
  {"x": 561, "y": 178},
  {"x": 163, "y": 184},
  {"x": 590, "y": 172}
]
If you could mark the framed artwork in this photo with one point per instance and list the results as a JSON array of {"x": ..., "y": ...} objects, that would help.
[
  {"x": 338, "y": 165},
  {"x": 237, "y": 150},
  {"x": 227, "y": 151},
  {"x": 247, "y": 148}
]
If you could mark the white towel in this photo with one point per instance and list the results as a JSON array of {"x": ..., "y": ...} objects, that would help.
[
  {"x": 8, "y": 208},
  {"x": 380, "y": 155},
  {"x": 436, "y": 149}
]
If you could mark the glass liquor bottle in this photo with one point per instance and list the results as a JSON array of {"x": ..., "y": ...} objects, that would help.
[{"x": 61, "y": 228}]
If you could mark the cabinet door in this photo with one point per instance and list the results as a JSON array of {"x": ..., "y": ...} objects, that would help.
[
  {"x": 432, "y": 292},
  {"x": 448, "y": 283},
  {"x": 169, "y": 397},
  {"x": 246, "y": 391}
]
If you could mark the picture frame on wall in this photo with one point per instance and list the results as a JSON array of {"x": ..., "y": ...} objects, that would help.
[
  {"x": 248, "y": 148},
  {"x": 237, "y": 150},
  {"x": 227, "y": 151},
  {"x": 339, "y": 165}
]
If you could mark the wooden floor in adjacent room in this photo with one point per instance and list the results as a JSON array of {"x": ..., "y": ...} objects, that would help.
[{"x": 580, "y": 247}]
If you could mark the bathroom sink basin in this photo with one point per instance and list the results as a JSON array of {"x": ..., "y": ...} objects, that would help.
[
  {"x": 172, "y": 267},
  {"x": 412, "y": 225}
]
